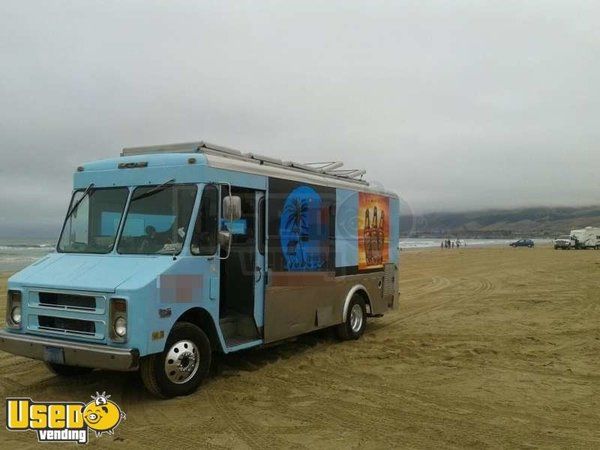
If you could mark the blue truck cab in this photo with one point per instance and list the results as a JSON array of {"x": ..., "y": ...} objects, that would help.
[{"x": 170, "y": 253}]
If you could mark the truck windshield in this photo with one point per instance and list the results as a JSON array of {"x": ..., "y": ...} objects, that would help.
[
  {"x": 92, "y": 225},
  {"x": 157, "y": 219}
]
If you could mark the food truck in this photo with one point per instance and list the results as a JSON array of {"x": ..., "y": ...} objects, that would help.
[{"x": 170, "y": 253}]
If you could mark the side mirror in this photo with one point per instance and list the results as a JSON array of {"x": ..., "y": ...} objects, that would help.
[
  {"x": 224, "y": 239},
  {"x": 232, "y": 208}
]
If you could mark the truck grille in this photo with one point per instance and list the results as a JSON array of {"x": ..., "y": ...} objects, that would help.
[
  {"x": 64, "y": 325},
  {"x": 70, "y": 315},
  {"x": 67, "y": 301}
]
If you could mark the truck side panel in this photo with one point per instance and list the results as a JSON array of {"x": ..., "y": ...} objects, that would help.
[{"x": 321, "y": 246}]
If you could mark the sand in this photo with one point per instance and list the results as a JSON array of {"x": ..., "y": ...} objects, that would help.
[{"x": 492, "y": 347}]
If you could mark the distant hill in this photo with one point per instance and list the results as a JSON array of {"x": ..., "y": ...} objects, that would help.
[{"x": 526, "y": 222}]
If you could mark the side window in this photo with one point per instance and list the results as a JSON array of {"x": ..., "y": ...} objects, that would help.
[{"x": 204, "y": 240}]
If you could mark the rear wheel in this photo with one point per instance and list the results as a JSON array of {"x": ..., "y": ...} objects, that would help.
[
  {"x": 356, "y": 320},
  {"x": 64, "y": 370},
  {"x": 182, "y": 366}
]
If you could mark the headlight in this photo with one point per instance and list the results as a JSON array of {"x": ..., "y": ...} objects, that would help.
[
  {"x": 118, "y": 319},
  {"x": 15, "y": 315},
  {"x": 121, "y": 326}
]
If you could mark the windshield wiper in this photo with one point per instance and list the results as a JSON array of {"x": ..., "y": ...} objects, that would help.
[
  {"x": 78, "y": 202},
  {"x": 153, "y": 191}
]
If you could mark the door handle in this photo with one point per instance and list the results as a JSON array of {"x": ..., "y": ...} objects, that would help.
[{"x": 259, "y": 270}]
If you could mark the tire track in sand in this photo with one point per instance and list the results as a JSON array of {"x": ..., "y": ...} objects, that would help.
[
  {"x": 483, "y": 285},
  {"x": 249, "y": 433},
  {"x": 437, "y": 284}
]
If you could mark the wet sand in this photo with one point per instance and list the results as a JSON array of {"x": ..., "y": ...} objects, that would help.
[{"x": 494, "y": 347}]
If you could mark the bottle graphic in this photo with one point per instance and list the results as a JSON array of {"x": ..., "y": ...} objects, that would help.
[
  {"x": 374, "y": 231},
  {"x": 376, "y": 252},
  {"x": 381, "y": 236},
  {"x": 367, "y": 236}
]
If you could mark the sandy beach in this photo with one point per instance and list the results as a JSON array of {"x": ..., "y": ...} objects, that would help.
[{"x": 491, "y": 347}]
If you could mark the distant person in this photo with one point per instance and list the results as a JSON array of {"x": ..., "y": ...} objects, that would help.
[
  {"x": 452, "y": 243},
  {"x": 442, "y": 245},
  {"x": 457, "y": 243}
]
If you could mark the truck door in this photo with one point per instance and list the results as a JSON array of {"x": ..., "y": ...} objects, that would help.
[
  {"x": 260, "y": 275},
  {"x": 242, "y": 281}
]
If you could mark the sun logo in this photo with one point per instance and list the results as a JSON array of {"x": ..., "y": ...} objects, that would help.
[{"x": 102, "y": 415}]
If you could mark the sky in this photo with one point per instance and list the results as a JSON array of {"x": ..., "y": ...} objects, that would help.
[{"x": 456, "y": 106}]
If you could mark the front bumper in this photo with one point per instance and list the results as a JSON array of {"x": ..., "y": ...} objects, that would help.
[{"x": 75, "y": 353}]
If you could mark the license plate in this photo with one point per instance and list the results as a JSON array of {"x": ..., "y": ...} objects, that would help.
[{"x": 54, "y": 355}]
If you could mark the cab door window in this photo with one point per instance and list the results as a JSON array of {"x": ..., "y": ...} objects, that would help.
[
  {"x": 205, "y": 237},
  {"x": 157, "y": 220}
]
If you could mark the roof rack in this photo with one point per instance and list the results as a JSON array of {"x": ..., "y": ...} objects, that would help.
[{"x": 331, "y": 169}]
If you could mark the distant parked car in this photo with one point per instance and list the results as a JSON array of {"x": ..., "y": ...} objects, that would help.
[
  {"x": 522, "y": 243},
  {"x": 563, "y": 243}
]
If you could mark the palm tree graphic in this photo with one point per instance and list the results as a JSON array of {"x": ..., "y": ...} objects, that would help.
[{"x": 297, "y": 220}]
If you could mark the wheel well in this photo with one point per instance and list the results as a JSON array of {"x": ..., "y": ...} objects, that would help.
[
  {"x": 362, "y": 292},
  {"x": 202, "y": 319},
  {"x": 366, "y": 299}
]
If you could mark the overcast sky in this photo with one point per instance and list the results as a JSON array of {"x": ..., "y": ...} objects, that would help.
[{"x": 454, "y": 105}]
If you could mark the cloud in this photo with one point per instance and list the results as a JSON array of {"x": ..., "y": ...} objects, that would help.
[{"x": 455, "y": 106}]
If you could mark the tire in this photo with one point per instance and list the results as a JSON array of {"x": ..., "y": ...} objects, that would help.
[
  {"x": 175, "y": 372},
  {"x": 350, "y": 329},
  {"x": 63, "y": 370}
]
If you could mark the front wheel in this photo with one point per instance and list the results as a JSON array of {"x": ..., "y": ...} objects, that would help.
[
  {"x": 356, "y": 320},
  {"x": 64, "y": 370},
  {"x": 183, "y": 364}
]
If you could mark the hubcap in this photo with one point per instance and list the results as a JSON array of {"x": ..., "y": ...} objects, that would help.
[
  {"x": 182, "y": 362},
  {"x": 356, "y": 318}
]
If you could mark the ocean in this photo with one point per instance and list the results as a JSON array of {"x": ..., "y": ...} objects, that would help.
[
  {"x": 17, "y": 253},
  {"x": 408, "y": 243}
]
